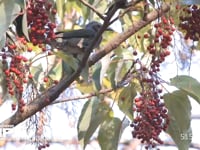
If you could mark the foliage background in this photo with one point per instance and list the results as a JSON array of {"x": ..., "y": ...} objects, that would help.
[{"x": 69, "y": 13}]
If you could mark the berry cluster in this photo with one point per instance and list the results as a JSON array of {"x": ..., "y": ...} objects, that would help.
[
  {"x": 151, "y": 114},
  {"x": 42, "y": 146},
  {"x": 151, "y": 117},
  {"x": 16, "y": 70},
  {"x": 42, "y": 120},
  {"x": 16, "y": 75},
  {"x": 16, "y": 66},
  {"x": 164, "y": 31},
  {"x": 41, "y": 28},
  {"x": 190, "y": 22},
  {"x": 41, "y": 32}
]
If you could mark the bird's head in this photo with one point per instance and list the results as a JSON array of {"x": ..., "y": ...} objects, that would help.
[{"x": 95, "y": 26}]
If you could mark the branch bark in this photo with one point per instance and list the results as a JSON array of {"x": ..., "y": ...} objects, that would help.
[{"x": 51, "y": 94}]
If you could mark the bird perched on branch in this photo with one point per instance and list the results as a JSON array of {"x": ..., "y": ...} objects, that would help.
[{"x": 75, "y": 42}]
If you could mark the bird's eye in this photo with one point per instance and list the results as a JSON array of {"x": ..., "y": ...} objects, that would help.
[{"x": 97, "y": 27}]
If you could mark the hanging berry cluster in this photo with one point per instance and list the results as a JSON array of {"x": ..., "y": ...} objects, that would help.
[
  {"x": 189, "y": 22},
  {"x": 43, "y": 146},
  {"x": 15, "y": 64},
  {"x": 151, "y": 115},
  {"x": 17, "y": 72},
  {"x": 41, "y": 123},
  {"x": 41, "y": 28}
]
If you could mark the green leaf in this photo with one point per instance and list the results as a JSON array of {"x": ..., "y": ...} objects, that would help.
[
  {"x": 93, "y": 114},
  {"x": 188, "y": 84},
  {"x": 36, "y": 71},
  {"x": 105, "y": 64},
  {"x": 3, "y": 83},
  {"x": 56, "y": 71},
  {"x": 60, "y": 8},
  {"x": 21, "y": 2},
  {"x": 25, "y": 26},
  {"x": 109, "y": 133},
  {"x": 2, "y": 41},
  {"x": 85, "y": 11},
  {"x": 66, "y": 69},
  {"x": 21, "y": 21},
  {"x": 73, "y": 5},
  {"x": 125, "y": 101},
  {"x": 85, "y": 73},
  {"x": 124, "y": 63},
  {"x": 85, "y": 87},
  {"x": 96, "y": 76},
  {"x": 179, "y": 108},
  {"x": 112, "y": 70},
  {"x": 68, "y": 59},
  {"x": 9, "y": 10},
  {"x": 152, "y": 2}
]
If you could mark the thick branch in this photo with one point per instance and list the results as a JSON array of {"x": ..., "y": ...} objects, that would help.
[{"x": 120, "y": 38}]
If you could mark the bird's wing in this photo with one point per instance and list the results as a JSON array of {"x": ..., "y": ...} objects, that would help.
[
  {"x": 82, "y": 33},
  {"x": 71, "y": 46}
]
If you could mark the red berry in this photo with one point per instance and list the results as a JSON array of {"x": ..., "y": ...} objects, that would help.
[
  {"x": 54, "y": 11},
  {"x": 25, "y": 80},
  {"x": 55, "y": 81},
  {"x": 160, "y": 31},
  {"x": 164, "y": 20},
  {"x": 13, "y": 106},
  {"x": 7, "y": 72},
  {"x": 24, "y": 59},
  {"x": 45, "y": 79},
  {"x": 167, "y": 52},
  {"x": 177, "y": 6},
  {"x": 135, "y": 53},
  {"x": 47, "y": 145},
  {"x": 138, "y": 36},
  {"x": 29, "y": 49},
  {"x": 146, "y": 35},
  {"x": 30, "y": 76}
]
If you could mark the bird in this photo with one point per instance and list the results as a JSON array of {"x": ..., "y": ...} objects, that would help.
[{"x": 75, "y": 42}]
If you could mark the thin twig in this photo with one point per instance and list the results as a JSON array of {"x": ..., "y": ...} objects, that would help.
[
  {"x": 93, "y": 9},
  {"x": 85, "y": 96},
  {"x": 121, "y": 15}
]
